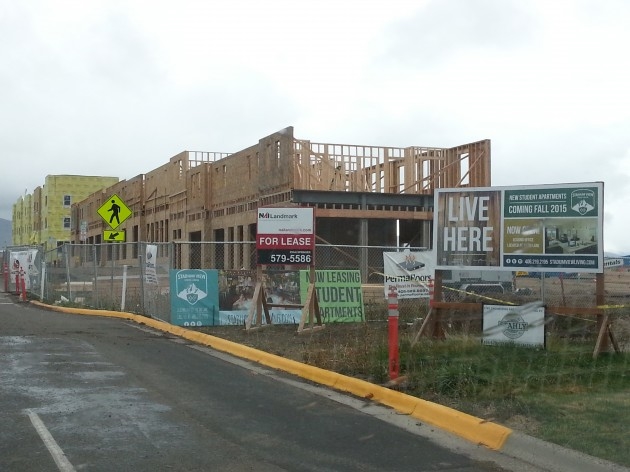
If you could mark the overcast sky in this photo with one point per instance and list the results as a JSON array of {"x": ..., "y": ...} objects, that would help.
[{"x": 118, "y": 87}]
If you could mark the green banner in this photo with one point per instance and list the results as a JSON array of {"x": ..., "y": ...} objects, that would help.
[
  {"x": 556, "y": 202},
  {"x": 339, "y": 294}
]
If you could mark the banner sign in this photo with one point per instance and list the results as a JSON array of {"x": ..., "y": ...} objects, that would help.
[
  {"x": 236, "y": 292},
  {"x": 513, "y": 325},
  {"x": 548, "y": 228},
  {"x": 150, "y": 270},
  {"x": 410, "y": 272},
  {"x": 194, "y": 297},
  {"x": 285, "y": 236},
  {"x": 339, "y": 294},
  {"x": 613, "y": 262},
  {"x": 22, "y": 263}
]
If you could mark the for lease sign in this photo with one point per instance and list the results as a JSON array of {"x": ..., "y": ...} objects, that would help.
[
  {"x": 285, "y": 236},
  {"x": 549, "y": 227}
]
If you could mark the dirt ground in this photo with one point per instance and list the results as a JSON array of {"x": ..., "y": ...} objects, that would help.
[
  {"x": 348, "y": 348},
  {"x": 341, "y": 347}
]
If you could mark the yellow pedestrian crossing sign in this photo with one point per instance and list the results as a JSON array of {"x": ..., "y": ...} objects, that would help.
[{"x": 114, "y": 211}]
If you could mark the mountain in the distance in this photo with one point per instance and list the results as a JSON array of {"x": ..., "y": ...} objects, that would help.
[{"x": 6, "y": 234}]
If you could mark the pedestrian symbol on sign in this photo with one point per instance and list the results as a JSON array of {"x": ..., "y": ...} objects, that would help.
[{"x": 114, "y": 211}]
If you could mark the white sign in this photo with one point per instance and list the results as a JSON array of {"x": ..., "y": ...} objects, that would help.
[
  {"x": 22, "y": 263},
  {"x": 285, "y": 221},
  {"x": 410, "y": 272},
  {"x": 613, "y": 262},
  {"x": 150, "y": 270},
  {"x": 523, "y": 325},
  {"x": 83, "y": 233}
]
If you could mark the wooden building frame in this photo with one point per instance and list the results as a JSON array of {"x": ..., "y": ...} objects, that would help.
[{"x": 213, "y": 196}]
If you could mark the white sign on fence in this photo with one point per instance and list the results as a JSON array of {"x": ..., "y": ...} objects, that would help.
[
  {"x": 410, "y": 272},
  {"x": 514, "y": 325}
]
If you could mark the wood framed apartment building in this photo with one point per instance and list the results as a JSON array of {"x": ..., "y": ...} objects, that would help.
[{"x": 363, "y": 195}]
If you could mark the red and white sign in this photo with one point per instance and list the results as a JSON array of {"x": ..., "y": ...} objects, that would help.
[
  {"x": 265, "y": 241},
  {"x": 285, "y": 236}
]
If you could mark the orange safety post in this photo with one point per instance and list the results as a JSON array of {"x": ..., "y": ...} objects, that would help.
[
  {"x": 23, "y": 285},
  {"x": 392, "y": 324}
]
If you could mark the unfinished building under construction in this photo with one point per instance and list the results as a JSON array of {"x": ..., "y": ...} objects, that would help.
[{"x": 363, "y": 195}]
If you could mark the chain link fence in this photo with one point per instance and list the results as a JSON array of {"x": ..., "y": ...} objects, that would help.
[
  {"x": 135, "y": 277},
  {"x": 553, "y": 393}
]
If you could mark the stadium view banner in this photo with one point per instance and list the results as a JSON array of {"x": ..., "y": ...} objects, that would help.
[
  {"x": 194, "y": 297},
  {"x": 548, "y": 228}
]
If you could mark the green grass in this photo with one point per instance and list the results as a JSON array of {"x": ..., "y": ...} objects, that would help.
[{"x": 559, "y": 394}]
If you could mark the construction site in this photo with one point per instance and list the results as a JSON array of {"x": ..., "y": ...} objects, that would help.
[{"x": 363, "y": 195}]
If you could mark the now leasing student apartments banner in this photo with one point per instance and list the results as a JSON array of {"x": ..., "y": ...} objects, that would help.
[{"x": 339, "y": 294}]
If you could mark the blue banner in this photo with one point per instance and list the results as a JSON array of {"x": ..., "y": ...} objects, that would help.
[{"x": 194, "y": 297}]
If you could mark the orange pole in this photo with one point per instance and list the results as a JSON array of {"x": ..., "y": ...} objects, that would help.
[
  {"x": 23, "y": 285},
  {"x": 392, "y": 326}
]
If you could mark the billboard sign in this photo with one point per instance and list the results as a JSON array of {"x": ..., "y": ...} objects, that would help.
[
  {"x": 285, "y": 236},
  {"x": 548, "y": 228}
]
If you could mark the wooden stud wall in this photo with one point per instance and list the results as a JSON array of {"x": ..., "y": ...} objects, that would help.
[{"x": 203, "y": 191}]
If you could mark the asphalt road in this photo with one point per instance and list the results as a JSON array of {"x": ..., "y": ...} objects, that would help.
[{"x": 100, "y": 394}]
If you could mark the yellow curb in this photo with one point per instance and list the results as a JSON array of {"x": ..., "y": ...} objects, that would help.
[
  {"x": 320, "y": 376},
  {"x": 464, "y": 425},
  {"x": 357, "y": 387},
  {"x": 469, "y": 427},
  {"x": 397, "y": 400}
]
